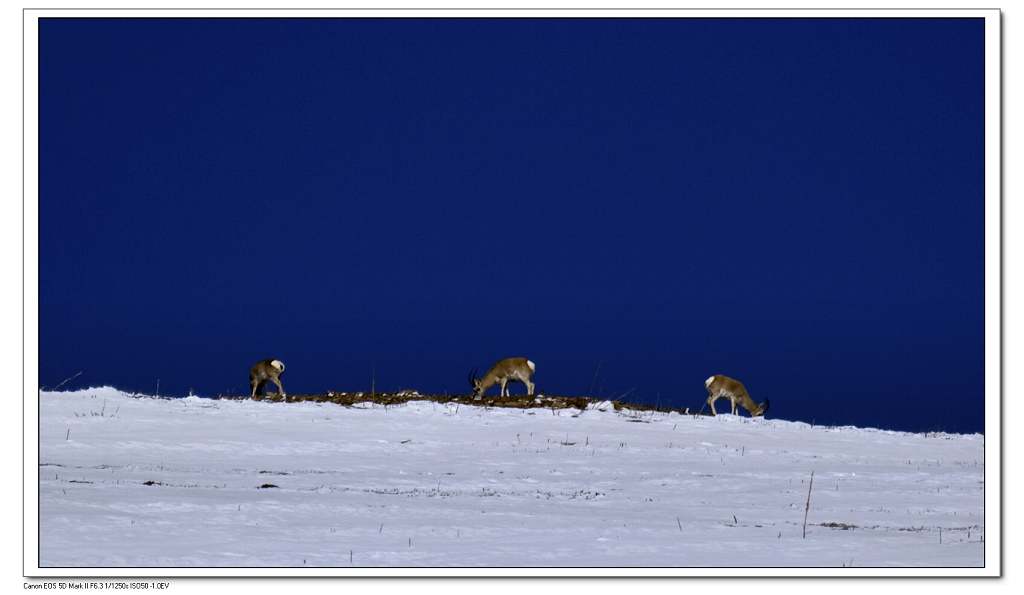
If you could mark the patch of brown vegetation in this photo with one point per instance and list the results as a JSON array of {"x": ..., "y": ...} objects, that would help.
[
  {"x": 842, "y": 526},
  {"x": 518, "y": 401}
]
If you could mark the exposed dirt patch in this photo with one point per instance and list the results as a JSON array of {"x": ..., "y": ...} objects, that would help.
[
  {"x": 518, "y": 401},
  {"x": 842, "y": 526}
]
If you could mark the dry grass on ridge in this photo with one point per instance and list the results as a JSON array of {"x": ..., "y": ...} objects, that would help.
[{"x": 520, "y": 401}]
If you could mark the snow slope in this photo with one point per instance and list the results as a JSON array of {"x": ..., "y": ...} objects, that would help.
[{"x": 160, "y": 485}]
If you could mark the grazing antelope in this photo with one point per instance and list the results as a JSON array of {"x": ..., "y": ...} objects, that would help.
[
  {"x": 723, "y": 387},
  {"x": 513, "y": 369},
  {"x": 268, "y": 370}
]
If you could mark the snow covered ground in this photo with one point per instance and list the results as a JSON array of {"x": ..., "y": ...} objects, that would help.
[{"x": 200, "y": 487}]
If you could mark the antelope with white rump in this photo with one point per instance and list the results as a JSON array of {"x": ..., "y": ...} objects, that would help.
[
  {"x": 265, "y": 372},
  {"x": 723, "y": 387},
  {"x": 513, "y": 369}
]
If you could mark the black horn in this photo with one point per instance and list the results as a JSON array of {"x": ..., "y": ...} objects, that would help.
[
  {"x": 765, "y": 406},
  {"x": 472, "y": 378}
]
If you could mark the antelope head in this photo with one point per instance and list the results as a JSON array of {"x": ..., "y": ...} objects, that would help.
[
  {"x": 723, "y": 387},
  {"x": 268, "y": 370},
  {"x": 513, "y": 369}
]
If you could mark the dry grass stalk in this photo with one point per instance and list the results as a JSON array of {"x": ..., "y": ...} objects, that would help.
[{"x": 808, "y": 506}]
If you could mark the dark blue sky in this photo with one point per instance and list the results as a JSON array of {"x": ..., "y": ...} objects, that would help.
[{"x": 633, "y": 204}]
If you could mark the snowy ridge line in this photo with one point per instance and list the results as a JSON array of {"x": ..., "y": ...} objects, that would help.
[
  {"x": 404, "y": 396},
  {"x": 638, "y": 413}
]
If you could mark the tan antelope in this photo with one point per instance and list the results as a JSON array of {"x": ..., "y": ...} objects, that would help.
[
  {"x": 723, "y": 387},
  {"x": 268, "y": 370},
  {"x": 513, "y": 369}
]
